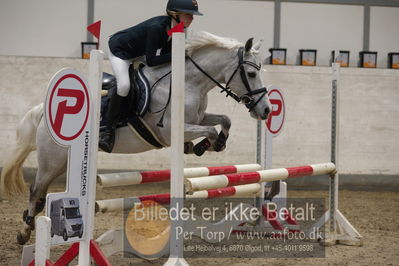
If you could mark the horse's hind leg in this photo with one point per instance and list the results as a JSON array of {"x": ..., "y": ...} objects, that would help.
[
  {"x": 52, "y": 161},
  {"x": 37, "y": 198}
]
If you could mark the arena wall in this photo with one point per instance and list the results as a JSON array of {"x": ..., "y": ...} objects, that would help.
[{"x": 369, "y": 109}]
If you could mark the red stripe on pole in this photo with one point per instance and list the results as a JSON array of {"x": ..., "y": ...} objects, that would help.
[
  {"x": 243, "y": 178},
  {"x": 221, "y": 170},
  {"x": 48, "y": 263},
  {"x": 299, "y": 171},
  {"x": 271, "y": 217},
  {"x": 155, "y": 176},
  {"x": 221, "y": 192},
  {"x": 288, "y": 218},
  {"x": 159, "y": 198}
]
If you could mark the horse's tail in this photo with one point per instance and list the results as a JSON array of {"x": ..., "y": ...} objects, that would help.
[{"x": 12, "y": 181}]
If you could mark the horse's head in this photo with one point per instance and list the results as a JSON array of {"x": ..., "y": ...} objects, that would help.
[
  {"x": 242, "y": 75},
  {"x": 245, "y": 81}
]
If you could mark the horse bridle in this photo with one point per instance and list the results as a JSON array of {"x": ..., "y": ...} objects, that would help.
[{"x": 246, "y": 98}]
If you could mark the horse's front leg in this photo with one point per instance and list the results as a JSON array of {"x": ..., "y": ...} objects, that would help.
[
  {"x": 192, "y": 132},
  {"x": 224, "y": 122}
]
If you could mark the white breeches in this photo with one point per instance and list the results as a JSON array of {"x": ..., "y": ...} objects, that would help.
[{"x": 120, "y": 68}]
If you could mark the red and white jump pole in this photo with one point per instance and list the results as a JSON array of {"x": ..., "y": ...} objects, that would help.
[
  {"x": 121, "y": 204},
  {"x": 135, "y": 178},
  {"x": 219, "y": 181}
]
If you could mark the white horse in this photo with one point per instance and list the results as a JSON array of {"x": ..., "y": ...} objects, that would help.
[{"x": 212, "y": 60}]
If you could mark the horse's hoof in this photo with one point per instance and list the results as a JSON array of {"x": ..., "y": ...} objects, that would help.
[
  {"x": 202, "y": 146},
  {"x": 22, "y": 238},
  {"x": 199, "y": 150},
  {"x": 220, "y": 143},
  {"x": 218, "y": 147}
]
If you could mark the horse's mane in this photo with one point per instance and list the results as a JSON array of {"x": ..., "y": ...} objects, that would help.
[{"x": 204, "y": 39}]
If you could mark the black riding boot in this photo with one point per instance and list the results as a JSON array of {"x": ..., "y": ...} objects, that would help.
[{"x": 107, "y": 138}]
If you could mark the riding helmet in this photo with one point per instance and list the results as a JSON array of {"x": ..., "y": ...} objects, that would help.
[{"x": 186, "y": 6}]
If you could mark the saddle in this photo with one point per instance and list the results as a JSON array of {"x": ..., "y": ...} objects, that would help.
[{"x": 134, "y": 106}]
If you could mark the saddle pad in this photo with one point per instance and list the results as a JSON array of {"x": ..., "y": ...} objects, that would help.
[
  {"x": 143, "y": 91},
  {"x": 138, "y": 100},
  {"x": 134, "y": 106}
]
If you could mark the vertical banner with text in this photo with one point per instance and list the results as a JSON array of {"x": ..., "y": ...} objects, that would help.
[{"x": 70, "y": 123}]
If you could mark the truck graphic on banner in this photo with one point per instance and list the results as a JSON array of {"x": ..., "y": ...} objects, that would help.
[{"x": 66, "y": 220}]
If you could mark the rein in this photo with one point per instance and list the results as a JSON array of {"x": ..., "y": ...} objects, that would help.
[
  {"x": 228, "y": 91},
  {"x": 163, "y": 110}
]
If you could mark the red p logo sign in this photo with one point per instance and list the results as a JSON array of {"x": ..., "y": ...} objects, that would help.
[
  {"x": 67, "y": 107},
  {"x": 277, "y": 107},
  {"x": 64, "y": 109},
  {"x": 276, "y": 118}
]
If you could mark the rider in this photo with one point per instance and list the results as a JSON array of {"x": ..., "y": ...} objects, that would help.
[{"x": 149, "y": 39}]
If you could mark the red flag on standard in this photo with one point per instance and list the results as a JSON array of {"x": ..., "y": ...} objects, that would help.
[{"x": 95, "y": 29}]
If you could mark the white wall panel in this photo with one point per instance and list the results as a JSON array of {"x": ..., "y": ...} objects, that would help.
[
  {"x": 384, "y": 32},
  {"x": 42, "y": 27},
  {"x": 238, "y": 19},
  {"x": 322, "y": 27},
  {"x": 121, "y": 14}
]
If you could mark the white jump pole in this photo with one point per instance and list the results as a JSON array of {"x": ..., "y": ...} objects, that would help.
[
  {"x": 335, "y": 134},
  {"x": 340, "y": 227},
  {"x": 263, "y": 160},
  {"x": 95, "y": 79},
  {"x": 43, "y": 240},
  {"x": 264, "y": 151},
  {"x": 341, "y": 230},
  {"x": 177, "y": 147}
]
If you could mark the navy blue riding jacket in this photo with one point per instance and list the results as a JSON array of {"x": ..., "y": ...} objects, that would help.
[{"x": 144, "y": 39}]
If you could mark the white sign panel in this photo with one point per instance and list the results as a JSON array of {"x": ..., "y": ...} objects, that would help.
[
  {"x": 67, "y": 106},
  {"x": 67, "y": 115}
]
